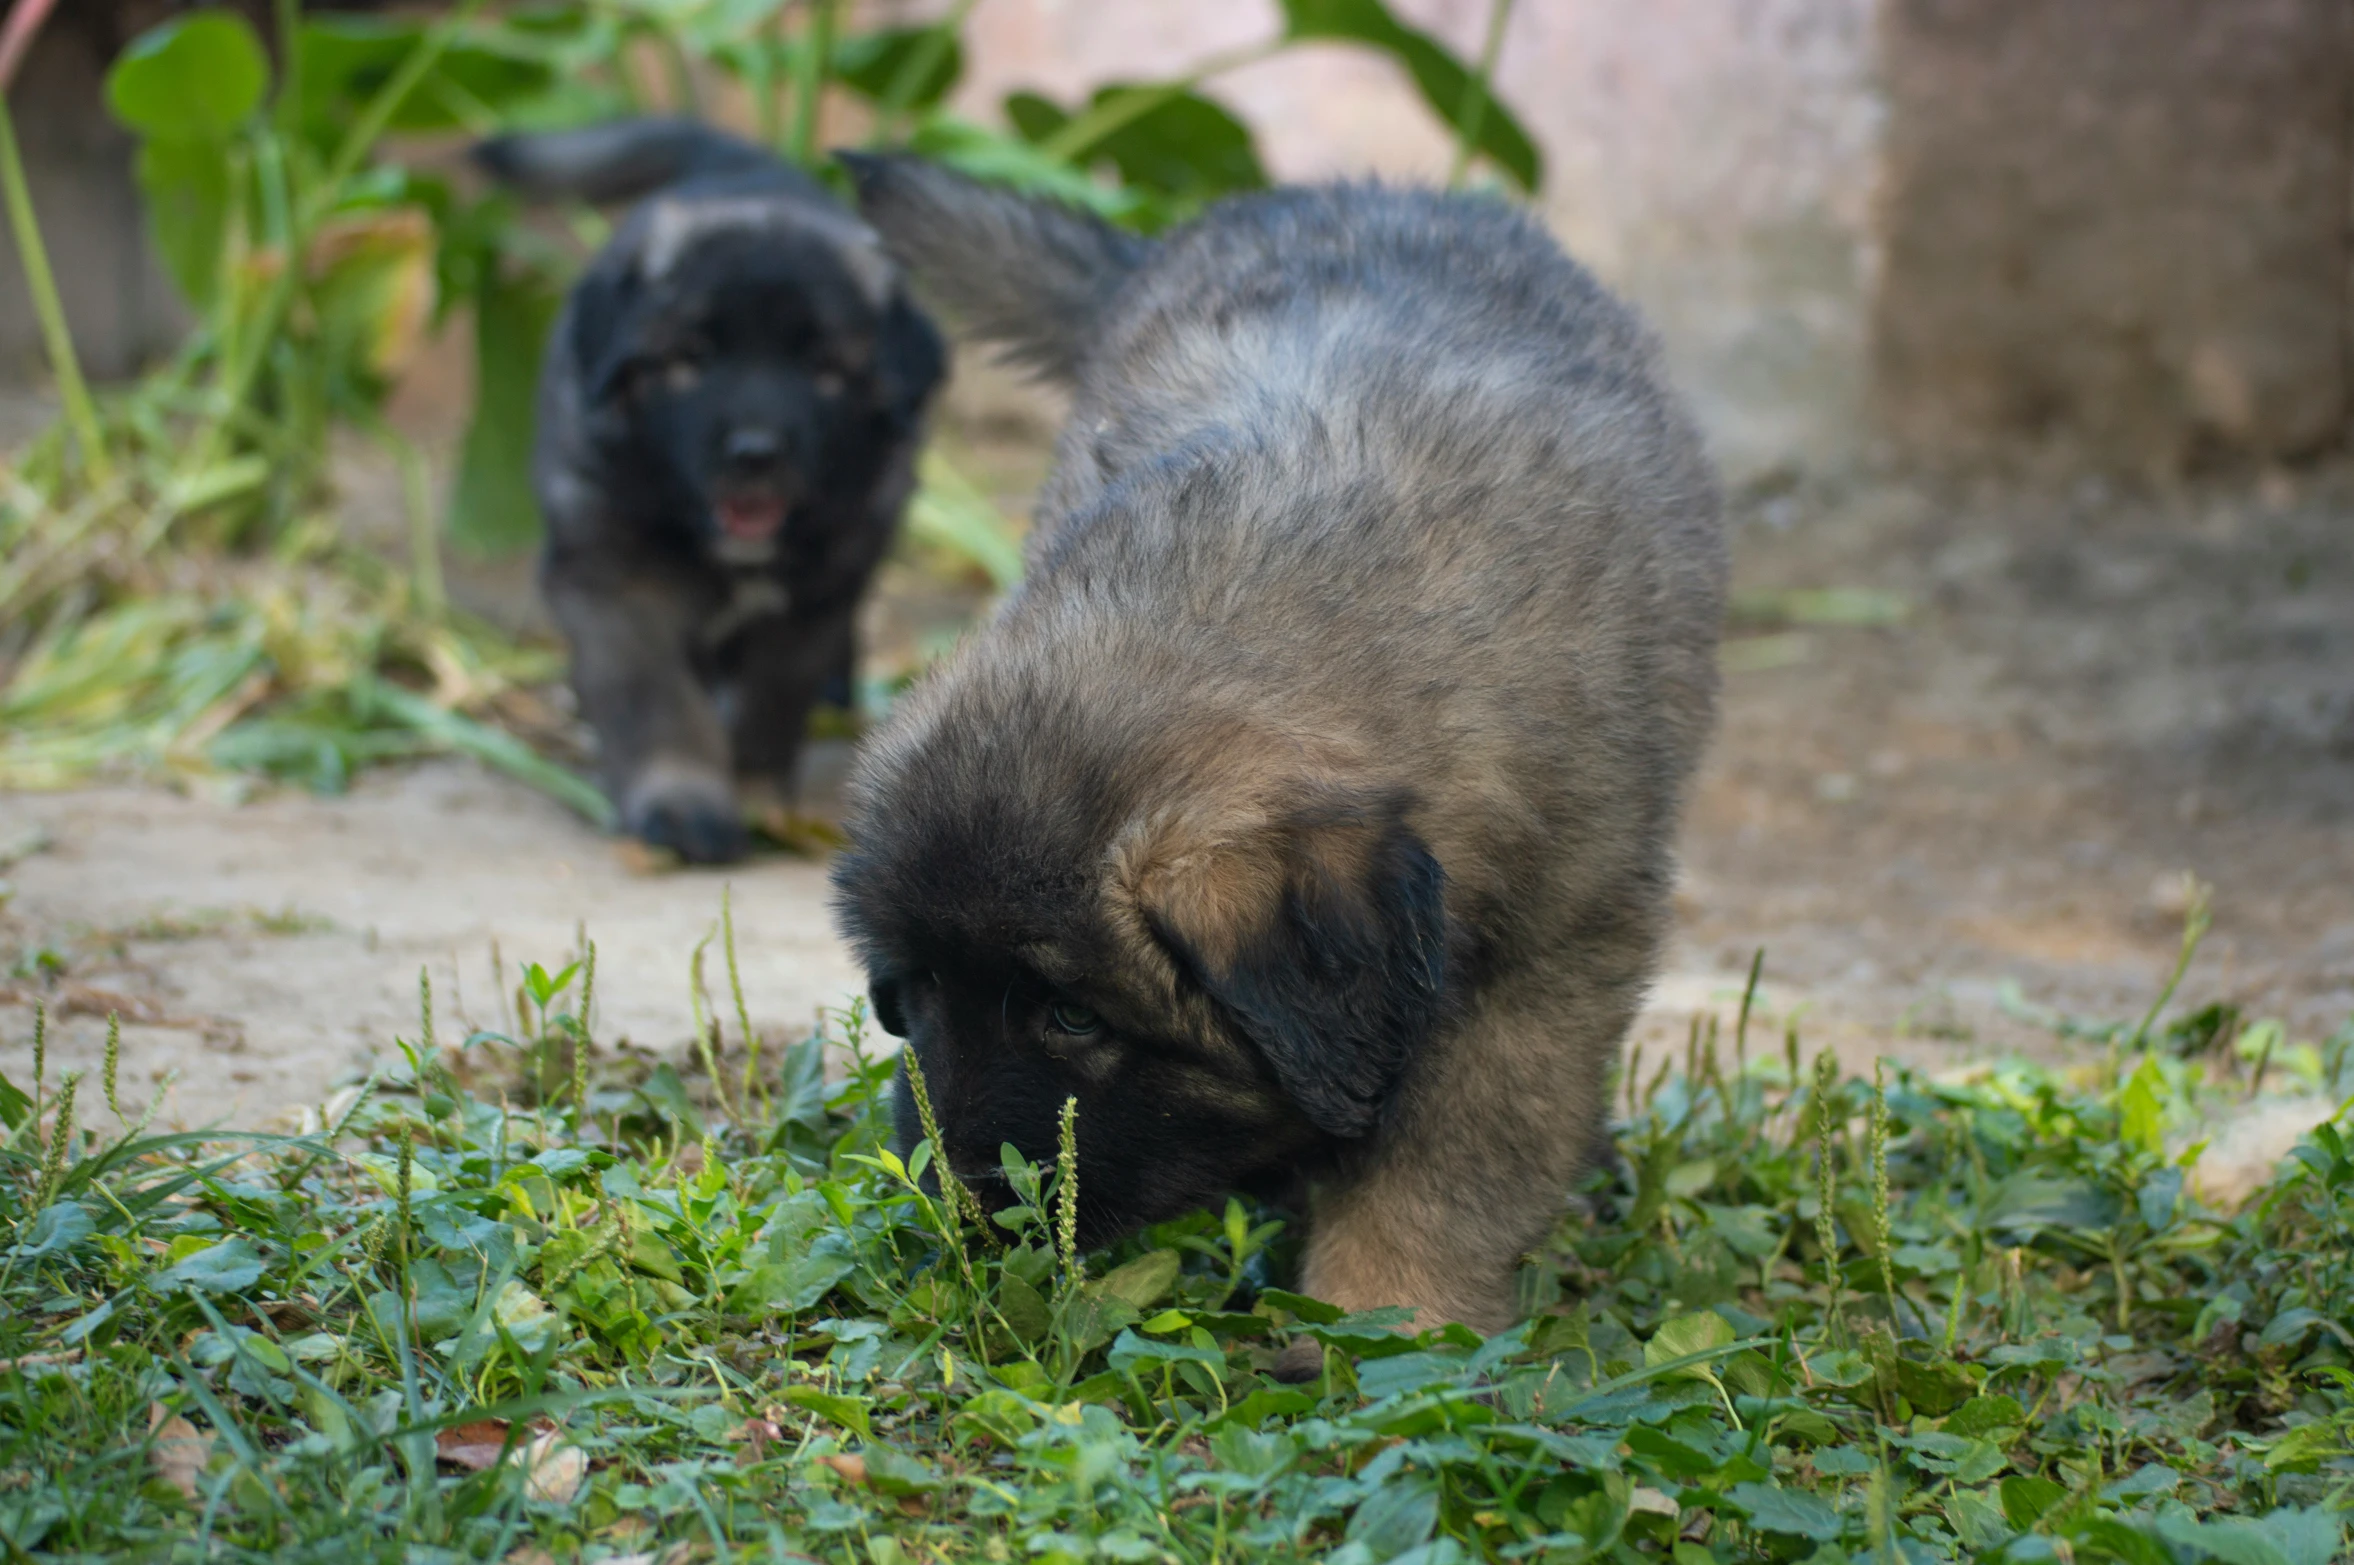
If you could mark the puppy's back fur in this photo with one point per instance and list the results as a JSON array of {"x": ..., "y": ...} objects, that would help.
[{"x": 1374, "y": 532}]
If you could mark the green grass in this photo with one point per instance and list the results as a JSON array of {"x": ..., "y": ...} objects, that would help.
[{"x": 528, "y": 1299}]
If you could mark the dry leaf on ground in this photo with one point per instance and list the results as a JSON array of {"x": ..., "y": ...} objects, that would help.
[
  {"x": 555, "y": 1470},
  {"x": 759, "y": 1434},
  {"x": 851, "y": 1467},
  {"x": 175, "y": 1448},
  {"x": 472, "y": 1446}
]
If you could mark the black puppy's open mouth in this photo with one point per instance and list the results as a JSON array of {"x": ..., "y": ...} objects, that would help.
[{"x": 752, "y": 516}]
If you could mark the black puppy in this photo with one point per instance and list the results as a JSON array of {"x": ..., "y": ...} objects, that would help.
[{"x": 728, "y": 422}]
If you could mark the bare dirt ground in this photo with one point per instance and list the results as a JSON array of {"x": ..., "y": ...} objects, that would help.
[{"x": 1988, "y": 801}]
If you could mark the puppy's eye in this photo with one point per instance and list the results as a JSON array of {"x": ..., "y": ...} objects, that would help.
[
  {"x": 681, "y": 374},
  {"x": 829, "y": 384},
  {"x": 1076, "y": 1020}
]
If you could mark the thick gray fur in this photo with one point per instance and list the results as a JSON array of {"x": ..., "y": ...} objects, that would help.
[
  {"x": 1030, "y": 276},
  {"x": 1375, "y": 537}
]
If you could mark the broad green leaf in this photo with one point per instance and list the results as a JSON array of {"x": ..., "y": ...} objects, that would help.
[
  {"x": 1300, "y": 1307},
  {"x": 1092, "y": 1319},
  {"x": 875, "y": 65},
  {"x": 1186, "y": 148},
  {"x": 1685, "y": 1335},
  {"x": 1401, "y": 1515},
  {"x": 1680, "y": 1458},
  {"x": 1024, "y": 1309},
  {"x": 2293, "y": 1535},
  {"x": 195, "y": 77},
  {"x": 230, "y": 1266},
  {"x": 2035, "y": 1198},
  {"x": 1983, "y": 1416},
  {"x": 15, "y": 1103},
  {"x": 1790, "y": 1511},
  {"x": 1254, "y": 1455},
  {"x": 2027, "y": 1498},
  {"x": 1143, "y": 1282},
  {"x": 1444, "y": 82},
  {"x": 2159, "y": 1197},
  {"x": 439, "y": 1303},
  {"x": 2141, "y": 1109},
  {"x": 2304, "y": 1448},
  {"x": 1978, "y": 1519},
  {"x": 185, "y": 181},
  {"x": 346, "y": 60},
  {"x": 850, "y": 1413},
  {"x": 892, "y": 1471},
  {"x": 1130, "y": 1351},
  {"x": 58, "y": 1229},
  {"x": 1933, "y": 1389}
]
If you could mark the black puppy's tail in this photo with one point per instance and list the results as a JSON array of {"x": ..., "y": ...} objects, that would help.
[
  {"x": 1030, "y": 274},
  {"x": 618, "y": 161}
]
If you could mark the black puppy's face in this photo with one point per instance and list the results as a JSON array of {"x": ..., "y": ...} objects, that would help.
[
  {"x": 1165, "y": 1123},
  {"x": 750, "y": 369},
  {"x": 1227, "y": 1001}
]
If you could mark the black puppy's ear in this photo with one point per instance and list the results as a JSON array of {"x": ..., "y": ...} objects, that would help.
[
  {"x": 890, "y": 1012},
  {"x": 1322, "y": 935},
  {"x": 603, "y": 335},
  {"x": 910, "y": 359}
]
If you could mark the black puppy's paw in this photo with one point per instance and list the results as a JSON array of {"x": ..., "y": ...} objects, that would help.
[{"x": 692, "y": 814}]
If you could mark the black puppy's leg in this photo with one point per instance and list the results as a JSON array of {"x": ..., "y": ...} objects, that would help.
[
  {"x": 841, "y": 686},
  {"x": 787, "y": 664},
  {"x": 663, "y": 752}
]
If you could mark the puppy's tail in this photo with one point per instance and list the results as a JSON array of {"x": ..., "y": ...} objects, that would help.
[
  {"x": 618, "y": 161},
  {"x": 1029, "y": 274}
]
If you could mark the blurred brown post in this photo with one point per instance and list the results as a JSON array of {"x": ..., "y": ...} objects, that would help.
[{"x": 2116, "y": 229}]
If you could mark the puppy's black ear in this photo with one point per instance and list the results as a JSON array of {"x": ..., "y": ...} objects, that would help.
[
  {"x": 910, "y": 358},
  {"x": 890, "y": 1013},
  {"x": 603, "y": 335},
  {"x": 1322, "y": 936}
]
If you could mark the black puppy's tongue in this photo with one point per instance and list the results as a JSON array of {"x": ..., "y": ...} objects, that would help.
[{"x": 751, "y": 518}]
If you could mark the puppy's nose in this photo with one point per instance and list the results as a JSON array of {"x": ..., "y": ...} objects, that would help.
[{"x": 751, "y": 449}]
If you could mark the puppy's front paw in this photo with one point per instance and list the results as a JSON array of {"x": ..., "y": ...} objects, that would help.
[{"x": 691, "y": 814}]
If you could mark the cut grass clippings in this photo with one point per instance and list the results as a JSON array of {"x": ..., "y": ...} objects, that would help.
[{"x": 529, "y": 1298}]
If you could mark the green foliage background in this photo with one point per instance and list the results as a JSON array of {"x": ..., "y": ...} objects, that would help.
[{"x": 289, "y": 201}]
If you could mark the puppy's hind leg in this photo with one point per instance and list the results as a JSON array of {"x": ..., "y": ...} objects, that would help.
[{"x": 662, "y": 751}]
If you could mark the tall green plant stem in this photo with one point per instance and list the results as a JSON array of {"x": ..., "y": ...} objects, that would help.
[
  {"x": 238, "y": 376},
  {"x": 2194, "y": 929},
  {"x": 816, "y": 63},
  {"x": 1478, "y": 93},
  {"x": 56, "y": 335},
  {"x": 1084, "y": 132}
]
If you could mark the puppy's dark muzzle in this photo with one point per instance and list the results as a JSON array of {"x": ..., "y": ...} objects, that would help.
[
  {"x": 753, "y": 455},
  {"x": 757, "y": 484}
]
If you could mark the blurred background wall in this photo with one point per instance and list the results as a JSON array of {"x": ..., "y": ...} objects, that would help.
[{"x": 2110, "y": 233}]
